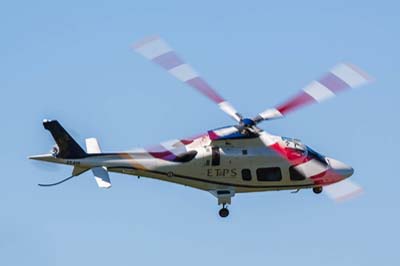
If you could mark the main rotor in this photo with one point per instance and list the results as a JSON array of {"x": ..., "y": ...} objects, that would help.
[{"x": 340, "y": 78}]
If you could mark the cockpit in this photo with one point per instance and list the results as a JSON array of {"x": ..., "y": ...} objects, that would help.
[
  {"x": 294, "y": 144},
  {"x": 301, "y": 150}
]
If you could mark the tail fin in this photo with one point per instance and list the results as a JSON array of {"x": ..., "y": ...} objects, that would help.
[{"x": 68, "y": 148}]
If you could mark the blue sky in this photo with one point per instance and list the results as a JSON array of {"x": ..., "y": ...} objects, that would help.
[{"x": 73, "y": 61}]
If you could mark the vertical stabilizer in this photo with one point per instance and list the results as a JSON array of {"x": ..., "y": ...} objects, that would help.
[{"x": 68, "y": 148}]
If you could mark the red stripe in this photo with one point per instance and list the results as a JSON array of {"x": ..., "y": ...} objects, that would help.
[
  {"x": 166, "y": 155},
  {"x": 205, "y": 89},
  {"x": 294, "y": 157},
  {"x": 186, "y": 141},
  {"x": 212, "y": 135},
  {"x": 327, "y": 178},
  {"x": 295, "y": 103},
  {"x": 161, "y": 153},
  {"x": 319, "y": 176}
]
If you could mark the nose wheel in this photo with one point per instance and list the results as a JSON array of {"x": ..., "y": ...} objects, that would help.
[
  {"x": 224, "y": 212},
  {"x": 317, "y": 190}
]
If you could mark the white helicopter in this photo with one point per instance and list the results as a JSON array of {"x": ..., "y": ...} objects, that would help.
[{"x": 225, "y": 161}]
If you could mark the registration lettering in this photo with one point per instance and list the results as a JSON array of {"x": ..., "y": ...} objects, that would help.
[
  {"x": 221, "y": 172},
  {"x": 70, "y": 162}
]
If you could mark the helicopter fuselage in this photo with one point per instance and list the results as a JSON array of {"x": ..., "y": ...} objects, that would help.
[{"x": 238, "y": 165}]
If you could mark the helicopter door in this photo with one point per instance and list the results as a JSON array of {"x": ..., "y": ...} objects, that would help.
[{"x": 215, "y": 156}]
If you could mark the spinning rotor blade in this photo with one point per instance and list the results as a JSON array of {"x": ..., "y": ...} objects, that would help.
[
  {"x": 158, "y": 51},
  {"x": 341, "y": 78},
  {"x": 343, "y": 190}
]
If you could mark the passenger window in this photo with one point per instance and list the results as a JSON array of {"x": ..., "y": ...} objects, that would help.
[
  {"x": 269, "y": 174},
  {"x": 216, "y": 157},
  {"x": 246, "y": 174},
  {"x": 295, "y": 175}
]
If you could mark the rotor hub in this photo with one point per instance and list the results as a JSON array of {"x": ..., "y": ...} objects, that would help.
[{"x": 247, "y": 122}]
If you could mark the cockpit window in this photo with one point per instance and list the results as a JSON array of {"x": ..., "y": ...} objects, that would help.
[
  {"x": 295, "y": 144},
  {"x": 315, "y": 155},
  {"x": 298, "y": 146}
]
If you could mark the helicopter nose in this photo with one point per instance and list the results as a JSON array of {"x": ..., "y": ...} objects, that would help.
[{"x": 341, "y": 168}]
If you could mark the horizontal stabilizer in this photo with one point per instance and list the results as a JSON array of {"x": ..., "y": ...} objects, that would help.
[{"x": 101, "y": 176}]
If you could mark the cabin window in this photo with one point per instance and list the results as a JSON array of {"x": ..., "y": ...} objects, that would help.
[
  {"x": 244, "y": 152},
  {"x": 215, "y": 156},
  {"x": 269, "y": 174},
  {"x": 246, "y": 174},
  {"x": 295, "y": 175}
]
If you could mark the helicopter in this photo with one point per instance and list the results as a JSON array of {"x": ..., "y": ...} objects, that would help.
[{"x": 240, "y": 158}]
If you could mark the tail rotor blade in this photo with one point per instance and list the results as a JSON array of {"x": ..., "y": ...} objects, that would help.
[
  {"x": 343, "y": 190},
  {"x": 158, "y": 51}
]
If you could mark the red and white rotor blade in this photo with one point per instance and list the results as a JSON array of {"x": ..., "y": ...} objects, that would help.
[
  {"x": 343, "y": 190},
  {"x": 341, "y": 78},
  {"x": 158, "y": 51}
]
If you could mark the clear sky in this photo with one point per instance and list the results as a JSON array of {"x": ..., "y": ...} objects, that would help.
[{"x": 73, "y": 61}]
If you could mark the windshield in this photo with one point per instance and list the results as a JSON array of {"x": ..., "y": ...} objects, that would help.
[
  {"x": 299, "y": 148},
  {"x": 315, "y": 155},
  {"x": 294, "y": 144}
]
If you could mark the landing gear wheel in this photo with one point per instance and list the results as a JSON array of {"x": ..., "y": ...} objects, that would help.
[
  {"x": 224, "y": 212},
  {"x": 317, "y": 190}
]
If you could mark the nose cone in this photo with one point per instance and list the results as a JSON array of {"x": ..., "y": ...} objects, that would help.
[{"x": 341, "y": 168}]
